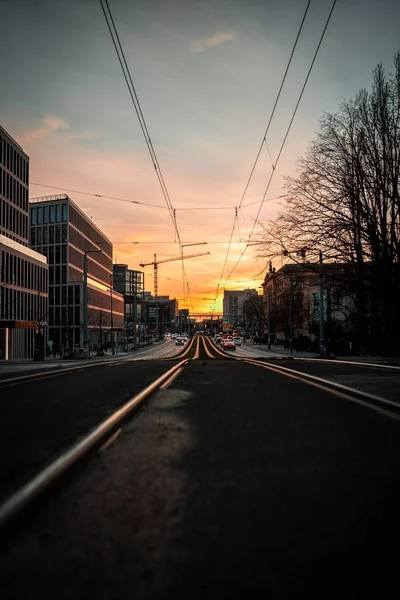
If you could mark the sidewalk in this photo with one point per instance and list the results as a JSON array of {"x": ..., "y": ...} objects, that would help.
[{"x": 282, "y": 351}]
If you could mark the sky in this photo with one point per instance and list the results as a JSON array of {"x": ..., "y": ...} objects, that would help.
[{"x": 206, "y": 73}]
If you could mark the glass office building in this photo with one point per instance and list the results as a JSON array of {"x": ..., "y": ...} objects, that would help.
[
  {"x": 23, "y": 272},
  {"x": 64, "y": 234}
]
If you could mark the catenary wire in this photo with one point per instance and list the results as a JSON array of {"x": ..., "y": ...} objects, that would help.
[
  {"x": 284, "y": 140},
  {"x": 264, "y": 139}
]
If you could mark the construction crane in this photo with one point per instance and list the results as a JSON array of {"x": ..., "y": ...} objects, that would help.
[{"x": 156, "y": 262}]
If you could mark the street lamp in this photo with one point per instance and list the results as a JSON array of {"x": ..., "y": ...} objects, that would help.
[
  {"x": 111, "y": 309},
  {"x": 85, "y": 307}
]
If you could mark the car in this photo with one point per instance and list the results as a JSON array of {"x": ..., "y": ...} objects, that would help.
[
  {"x": 229, "y": 345},
  {"x": 237, "y": 340},
  {"x": 173, "y": 336},
  {"x": 179, "y": 342}
]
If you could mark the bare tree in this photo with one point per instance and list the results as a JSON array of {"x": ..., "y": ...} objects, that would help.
[{"x": 345, "y": 202}]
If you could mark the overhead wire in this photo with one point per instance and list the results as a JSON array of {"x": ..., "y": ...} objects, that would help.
[
  {"x": 284, "y": 139},
  {"x": 135, "y": 100},
  {"x": 63, "y": 189},
  {"x": 264, "y": 137}
]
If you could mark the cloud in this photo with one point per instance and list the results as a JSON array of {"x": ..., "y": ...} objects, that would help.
[
  {"x": 213, "y": 41},
  {"x": 49, "y": 124}
]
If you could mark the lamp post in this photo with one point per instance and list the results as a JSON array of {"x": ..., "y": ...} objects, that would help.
[
  {"x": 85, "y": 307},
  {"x": 112, "y": 316},
  {"x": 321, "y": 308}
]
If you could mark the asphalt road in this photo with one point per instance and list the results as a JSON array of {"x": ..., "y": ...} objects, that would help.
[
  {"x": 42, "y": 417},
  {"x": 235, "y": 482}
]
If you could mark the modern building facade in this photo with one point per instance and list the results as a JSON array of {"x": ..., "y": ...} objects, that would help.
[
  {"x": 23, "y": 272},
  {"x": 62, "y": 232},
  {"x": 160, "y": 314},
  {"x": 233, "y": 305},
  {"x": 130, "y": 284}
]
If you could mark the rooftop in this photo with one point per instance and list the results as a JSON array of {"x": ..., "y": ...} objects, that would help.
[{"x": 6, "y": 134}]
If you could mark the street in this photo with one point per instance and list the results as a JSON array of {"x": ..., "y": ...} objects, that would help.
[{"x": 235, "y": 481}]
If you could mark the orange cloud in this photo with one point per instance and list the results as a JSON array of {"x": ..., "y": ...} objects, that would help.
[{"x": 213, "y": 41}]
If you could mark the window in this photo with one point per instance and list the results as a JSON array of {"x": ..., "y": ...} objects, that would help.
[
  {"x": 51, "y": 255},
  {"x": 39, "y": 236},
  {"x": 64, "y": 213},
  {"x": 64, "y": 254},
  {"x": 45, "y": 235},
  {"x": 57, "y": 268},
  {"x": 64, "y": 294},
  {"x": 77, "y": 315},
  {"x": 33, "y": 236},
  {"x": 57, "y": 296},
  {"x": 58, "y": 234},
  {"x": 77, "y": 294},
  {"x": 70, "y": 296},
  {"x": 33, "y": 216},
  {"x": 58, "y": 213},
  {"x": 45, "y": 214},
  {"x": 64, "y": 274},
  {"x": 52, "y": 211},
  {"x": 51, "y": 234},
  {"x": 51, "y": 275},
  {"x": 39, "y": 215},
  {"x": 51, "y": 295},
  {"x": 64, "y": 233},
  {"x": 58, "y": 255}
]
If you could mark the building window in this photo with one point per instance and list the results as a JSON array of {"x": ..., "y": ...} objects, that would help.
[
  {"x": 58, "y": 255},
  {"x": 64, "y": 213},
  {"x": 45, "y": 235},
  {"x": 52, "y": 211},
  {"x": 58, "y": 213},
  {"x": 57, "y": 296},
  {"x": 33, "y": 216},
  {"x": 58, "y": 234},
  {"x": 39, "y": 215},
  {"x": 64, "y": 254},
  {"x": 64, "y": 233},
  {"x": 64, "y": 274},
  {"x": 33, "y": 236},
  {"x": 45, "y": 215},
  {"x": 77, "y": 315},
  {"x": 70, "y": 295},
  {"x": 51, "y": 234},
  {"x": 64, "y": 294},
  {"x": 39, "y": 236},
  {"x": 77, "y": 294}
]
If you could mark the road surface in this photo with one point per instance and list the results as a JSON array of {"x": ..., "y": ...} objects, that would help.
[{"x": 234, "y": 482}]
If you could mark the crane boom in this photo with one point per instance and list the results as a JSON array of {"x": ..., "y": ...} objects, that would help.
[{"x": 156, "y": 262}]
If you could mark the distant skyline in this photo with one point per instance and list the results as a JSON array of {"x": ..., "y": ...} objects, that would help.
[{"x": 206, "y": 74}]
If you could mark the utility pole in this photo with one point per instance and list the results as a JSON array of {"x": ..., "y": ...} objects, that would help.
[
  {"x": 321, "y": 308},
  {"x": 157, "y": 305},
  {"x": 135, "y": 316},
  {"x": 291, "y": 319},
  {"x": 269, "y": 316}
]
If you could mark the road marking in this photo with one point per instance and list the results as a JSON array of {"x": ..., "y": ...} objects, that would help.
[
  {"x": 197, "y": 352},
  {"x": 207, "y": 350},
  {"x": 380, "y": 405}
]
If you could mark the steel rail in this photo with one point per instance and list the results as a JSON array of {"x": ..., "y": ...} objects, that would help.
[
  {"x": 56, "y": 469},
  {"x": 383, "y": 405}
]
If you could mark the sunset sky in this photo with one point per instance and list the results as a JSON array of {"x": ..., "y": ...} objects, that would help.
[{"x": 206, "y": 73}]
